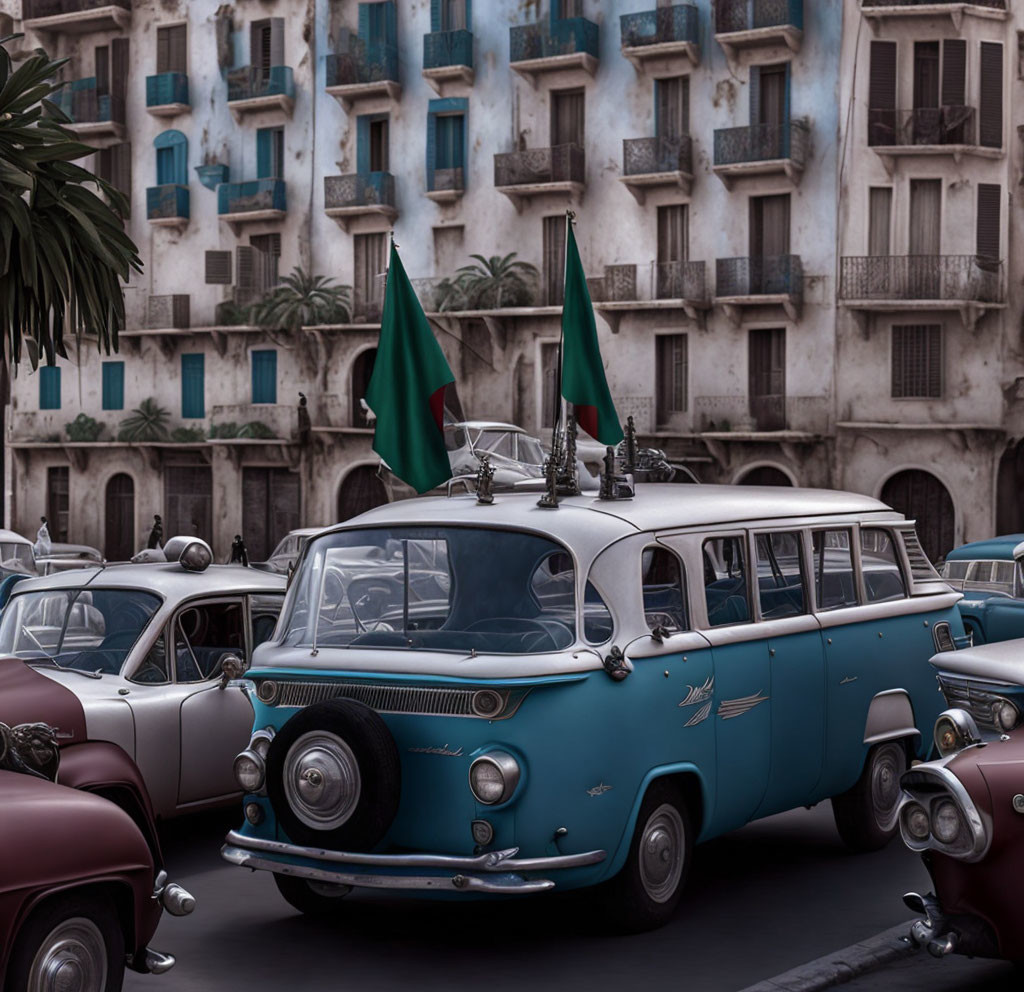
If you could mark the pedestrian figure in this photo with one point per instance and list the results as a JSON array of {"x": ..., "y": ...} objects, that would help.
[
  {"x": 239, "y": 552},
  {"x": 42, "y": 546},
  {"x": 156, "y": 535},
  {"x": 305, "y": 425}
]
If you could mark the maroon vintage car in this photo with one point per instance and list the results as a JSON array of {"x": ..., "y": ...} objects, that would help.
[
  {"x": 82, "y": 898},
  {"x": 965, "y": 814}
]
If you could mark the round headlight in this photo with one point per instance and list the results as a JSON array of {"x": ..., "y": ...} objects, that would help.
[
  {"x": 267, "y": 692},
  {"x": 493, "y": 777},
  {"x": 1005, "y": 714},
  {"x": 946, "y": 821},
  {"x": 915, "y": 819},
  {"x": 947, "y": 737},
  {"x": 486, "y": 702},
  {"x": 249, "y": 771}
]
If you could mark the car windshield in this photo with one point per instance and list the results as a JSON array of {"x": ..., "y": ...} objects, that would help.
[
  {"x": 434, "y": 588},
  {"x": 530, "y": 450},
  {"x": 16, "y": 557},
  {"x": 89, "y": 629}
]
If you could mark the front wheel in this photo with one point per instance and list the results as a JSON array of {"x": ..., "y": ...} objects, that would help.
[
  {"x": 866, "y": 814},
  {"x": 645, "y": 893},
  {"x": 309, "y": 897}
]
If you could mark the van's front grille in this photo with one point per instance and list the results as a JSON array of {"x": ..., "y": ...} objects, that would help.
[{"x": 966, "y": 694}]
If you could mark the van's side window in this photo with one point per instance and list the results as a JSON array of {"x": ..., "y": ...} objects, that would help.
[
  {"x": 597, "y": 619},
  {"x": 883, "y": 580},
  {"x": 834, "y": 583},
  {"x": 725, "y": 581},
  {"x": 780, "y": 585},
  {"x": 664, "y": 600}
]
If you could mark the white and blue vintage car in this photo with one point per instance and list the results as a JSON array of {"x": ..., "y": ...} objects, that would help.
[{"x": 467, "y": 698}]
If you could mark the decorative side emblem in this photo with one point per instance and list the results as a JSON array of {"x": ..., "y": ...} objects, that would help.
[
  {"x": 599, "y": 790},
  {"x": 699, "y": 694},
  {"x": 848, "y": 680},
  {"x": 700, "y": 715},
  {"x": 442, "y": 750},
  {"x": 729, "y": 709}
]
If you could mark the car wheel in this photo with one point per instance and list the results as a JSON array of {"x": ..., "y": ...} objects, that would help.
[
  {"x": 866, "y": 814},
  {"x": 309, "y": 897},
  {"x": 74, "y": 943},
  {"x": 645, "y": 893}
]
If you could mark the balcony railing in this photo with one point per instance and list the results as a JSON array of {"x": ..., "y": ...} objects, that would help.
[
  {"x": 922, "y": 126},
  {"x": 545, "y": 39},
  {"x": 650, "y": 282},
  {"x": 680, "y": 281},
  {"x": 761, "y": 143},
  {"x": 167, "y": 203},
  {"x": 359, "y": 189},
  {"x": 254, "y": 196},
  {"x": 646, "y": 156},
  {"x": 954, "y": 278},
  {"x": 33, "y": 9},
  {"x": 167, "y": 89},
  {"x": 361, "y": 63},
  {"x": 665, "y": 25},
  {"x": 772, "y": 275},
  {"x": 536, "y": 166},
  {"x": 446, "y": 180},
  {"x": 251, "y": 82},
  {"x": 992, "y": 4},
  {"x": 84, "y": 104},
  {"x": 447, "y": 48},
  {"x": 732, "y": 16}
]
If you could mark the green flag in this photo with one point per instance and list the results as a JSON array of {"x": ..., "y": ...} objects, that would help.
[
  {"x": 406, "y": 390},
  {"x": 583, "y": 381}
]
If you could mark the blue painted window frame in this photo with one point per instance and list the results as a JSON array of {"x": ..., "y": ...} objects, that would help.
[
  {"x": 49, "y": 387},
  {"x": 171, "y": 158},
  {"x": 437, "y": 111},
  {"x": 113, "y": 385},
  {"x": 193, "y": 386},
  {"x": 264, "y": 375}
]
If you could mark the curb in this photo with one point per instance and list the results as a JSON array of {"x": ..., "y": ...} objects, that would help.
[{"x": 843, "y": 966}]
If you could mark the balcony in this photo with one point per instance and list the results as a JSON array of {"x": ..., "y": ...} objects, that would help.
[
  {"x": 361, "y": 194},
  {"x": 876, "y": 11},
  {"x": 658, "y": 286},
  {"x": 363, "y": 72},
  {"x": 549, "y": 46},
  {"x": 666, "y": 34},
  {"x": 168, "y": 205},
  {"x": 538, "y": 171},
  {"x": 167, "y": 94},
  {"x": 448, "y": 58},
  {"x": 252, "y": 89},
  {"x": 759, "y": 281},
  {"x": 743, "y": 27},
  {"x": 76, "y": 16},
  {"x": 252, "y": 201},
  {"x": 926, "y": 131},
  {"x": 93, "y": 114},
  {"x": 761, "y": 150},
  {"x": 648, "y": 162},
  {"x": 893, "y": 283},
  {"x": 445, "y": 185}
]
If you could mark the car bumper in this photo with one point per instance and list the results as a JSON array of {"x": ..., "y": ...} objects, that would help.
[
  {"x": 945, "y": 933},
  {"x": 493, "y": 872}
]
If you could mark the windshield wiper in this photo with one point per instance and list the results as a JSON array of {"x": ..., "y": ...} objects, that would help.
[{"x": 51, "y": 663}]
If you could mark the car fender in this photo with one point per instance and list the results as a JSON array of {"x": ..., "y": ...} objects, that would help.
[
  {"x": 890, "y": 717},
  {"x": 973, "y": 611}
]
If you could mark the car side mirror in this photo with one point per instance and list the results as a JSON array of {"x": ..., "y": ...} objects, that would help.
[{"x": 231, "y": 667}]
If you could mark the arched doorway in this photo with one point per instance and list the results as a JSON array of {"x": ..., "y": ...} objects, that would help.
[
  {"x": 919, "y": 496},
  {"x": 765, "y": 475},
  {"x": 360, "y": 491},
  {"x": 119, "y": 534},
  {"x": 362, "y": 369},
  {"x": 1009, "y": 505}
]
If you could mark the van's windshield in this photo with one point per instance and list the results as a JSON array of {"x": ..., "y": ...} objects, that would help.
[{"x": 464, "y": 589}]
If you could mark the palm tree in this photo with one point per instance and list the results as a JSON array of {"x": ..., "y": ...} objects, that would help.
[
  {"x": 497, "y": 281},
  {"x": 148, "y": 422},
  {"x": 303, "y": 300}
]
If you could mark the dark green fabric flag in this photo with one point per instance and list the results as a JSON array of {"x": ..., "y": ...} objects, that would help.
[
  {"x": 583, "y": 381},
  {"x": 406, "y": 390}
]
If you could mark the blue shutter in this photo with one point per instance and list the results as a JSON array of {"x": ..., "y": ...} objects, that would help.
[
  {"x": 181, "y": 162},
  {"x": 265, "y": 153},
  {"x": 193, "y": 393},
  {"x": 171, "y": 158},
  {"x": 264, "y": 376},
  {"x": 49, "y": 387},
  {"x": 363, "y": 144},
  {"x": 113, "y": 385},
  {"x": 435, "y": 15},
  {"x": 364, "y": 22},
  {"x": 433, "y": 122},
  {"x": 164, "y": 166},
  {"x": 469, "y": 15},
  {"x": 390, "y": 23},
  {"x": 789, "y": 76}
]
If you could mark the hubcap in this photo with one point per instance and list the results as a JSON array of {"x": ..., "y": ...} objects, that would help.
[
  {"x": 885, "y": 784},
  {"x": 321, "y": 780},
  {"x": 72, "y": 958},
  {"x": 662, "y": 846}
]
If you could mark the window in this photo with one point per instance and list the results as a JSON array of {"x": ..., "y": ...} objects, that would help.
[
  {"x": 372, "y": 142},
  {"x": 673, "y": 251},
  {"x": 49, "y": 387},
  {"x": 370, "y": 253},
  {"x": 725, "y": 581},
  {"x": 270, "y": 153},
  {"x": 769, "y": 102},
  {"x": 154, "y": 670},
  {"x": 113, "y": 385},
  {"x": 114, "y": 165},
  {"x": 597, "y": 618},
  {"x": 990, "y": 111},
  {"x": 172, "y": 48},
  {"x": 768, "y": 378},
  {"x": 268, "y": 247},
  {"x": 834, "y": 581},
  {"x": 671, "y": 375},
  {"x": 567, "y": 117},
  {"x": 917, "y": 361},
  {"x": 218, "y": 268},
  {"x": 672, "y": 107},
  {"x": 101, "y": 68},
  {"x": 664, "y": 591},
  {"x": 203, "y": 636},
  {"x": 879, "y": 220},
  {"x": 988, "y": 228},
  {"x": 550, "y": 392},
  {"x": 266, "y": 45},
  {"x": 883, "y": 579},
  {"x": 998, "y": 577},
  {"x": 264, "y": 376},
  {"x": 171, "y": 158},
  {"x": 58, "y": 501},
  {"x": 882, "y": 94},
  {"x": 193, "y": 389},
  {"x": 954, "y": 572},
  {"x": 769, "y": 229},
  {"x": 362, "y": 372},
  {"x": 446, "y": 143},
  {"x": 453, "y": 15},
  {"x": 939, "y": 115},
  {"x": 554, "y": 260},
  {"x": 780, "y": 582}
]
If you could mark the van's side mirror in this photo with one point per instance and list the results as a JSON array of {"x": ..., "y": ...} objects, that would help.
[{"x": 231, "y": 667}]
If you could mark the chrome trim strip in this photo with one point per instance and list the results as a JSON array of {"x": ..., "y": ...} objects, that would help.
[
  {"x": 493, "y": 861},
  {"x": 511, "y": 884},
  {"x": 980, "y": 834}
]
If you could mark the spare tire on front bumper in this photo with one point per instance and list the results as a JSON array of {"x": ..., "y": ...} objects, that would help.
[{"x": 334, "y": 776}]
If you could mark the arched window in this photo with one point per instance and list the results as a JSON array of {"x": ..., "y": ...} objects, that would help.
[
  {"x": 920, "y": 496},
  {"x": 360, "y": 490},
  {"x": 171, "y": 158},
  {"x": 119, "y": 533}
]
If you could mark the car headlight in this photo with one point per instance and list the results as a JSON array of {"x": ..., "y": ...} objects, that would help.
[
  {"x": 493, "y": 777},
  {"x": 1005, "y": 714},
  {"x": 260, "y": 742},
  {"x": 250, "y": 770},
  {"x": 916, "y": 821},
  {"x": 955, "y": 729},
  {"x": 945, "y": 821}
]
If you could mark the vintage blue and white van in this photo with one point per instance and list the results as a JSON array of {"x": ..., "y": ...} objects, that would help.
[{"x": 463, "y": 698}]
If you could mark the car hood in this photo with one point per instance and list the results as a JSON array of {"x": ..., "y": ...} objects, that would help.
[
  {"x": 1001, "y": 661},
  {"x": 28, "y": 696}
]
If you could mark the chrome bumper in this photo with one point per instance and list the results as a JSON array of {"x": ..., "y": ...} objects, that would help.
[{"x": 496, "y": 871}]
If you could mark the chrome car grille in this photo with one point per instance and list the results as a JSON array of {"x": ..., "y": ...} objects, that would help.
[{"x": 968, "y": 695}]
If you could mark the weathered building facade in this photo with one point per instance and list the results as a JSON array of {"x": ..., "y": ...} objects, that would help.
[{"x": 724, "y": 162}]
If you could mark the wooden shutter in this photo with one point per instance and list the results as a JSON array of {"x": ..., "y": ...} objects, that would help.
[
  {"x": 988, "y": 227},
  {"x": 277, "y": 41},
  {"x": 264, "y": 153},
  {"x": 218, "y": 268},
  {"x": 926, "y": 74},
  {"x": 193, "y": 392},
  {"x": 113, "y": 385},
  {"x": 58, "y": 501},
  {"x": 767, "y": 377},
  {"x": 567, "y": 117},
  {"x": 163, "y": 50},
  {"x": 879, "y": 220},
  {"x": 882, "y": 93},
  {"x": 954, "y": 72},
  {"x": 671, "y": 376},
  {"x": 246, "y": 266},
  {"x": 49, "y": 387},
  {"x": 554, "y": 260},
  {"x": 755, "y": 94},
  {"x": 436, "y": 22},
  {"x": 672, "y": 107},
  {"x": 172, "y": 48},
  {"x": 264, "y": 376},
  {"x": 119, "y": 69},
  {"x": 917, "y": 361},
  {"x": 672, "y": 233},
  {"x": 990, "y": 131},
  {"x": 101, "y": 62}
]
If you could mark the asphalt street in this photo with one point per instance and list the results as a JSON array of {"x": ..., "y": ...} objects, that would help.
[{"x": 760, "y": 901}]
